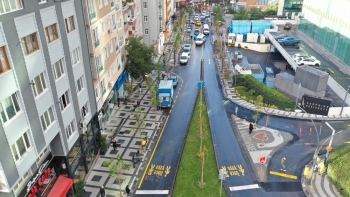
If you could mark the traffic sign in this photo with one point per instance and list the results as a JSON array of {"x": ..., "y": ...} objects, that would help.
[
  {"x": 201, "y": 85},
  {"x": 262, "y": 160}
]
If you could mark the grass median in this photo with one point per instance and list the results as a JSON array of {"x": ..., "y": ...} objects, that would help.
[
  {"x": 190, "y": 169},
  {"x": 339, "y": 169}
]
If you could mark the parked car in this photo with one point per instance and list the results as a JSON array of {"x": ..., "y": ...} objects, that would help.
[
  {"x": 289, "y": 41},
  {"x": 280, "y": 36},
  {"x": 184, "y": 58},
  {"x": 312, "y": 61},
  {"x": 189, "y": 28},
  {"x": 297, "y": 56},
  {"x": 174, "y": 79},
  {"x": 200, "y": 40},
  {"x": 196, "y": 33},
  {"x": 288, "y": 26},
  {"x": 187, "y": 48},
  {"x": 238, "y": 55}
]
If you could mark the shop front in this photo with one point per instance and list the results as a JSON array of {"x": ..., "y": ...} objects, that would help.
[
  {"x": 50, "y": 180},
  {"x": 83, "y": 153}
]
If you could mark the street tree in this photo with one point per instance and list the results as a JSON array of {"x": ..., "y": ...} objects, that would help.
[
  {"x": 130, "y": 86},
  {"x": 241, "y": 14},
  {"x": 256, "y": 14},
  {"x": 139, "y": 58},
  {"x": 155, "y": 98},
  {"x": 140, "y": 125},
  {"x": 149, "y": 82},
  {"x": 259, "y": 108},
  {"x": 117, "y": 168}
]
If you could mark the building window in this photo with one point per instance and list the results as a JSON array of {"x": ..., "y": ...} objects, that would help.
[
  {"x": 106, "y": 52},
  {"x": 117, "y": 5},
  {"x": 10, "y": 6},
  {"x": 100, "y": 5},
  {"x": 70, "y": 129},
  {"x": 85, "y": 110},
  {"x": 80, "y": 83},
  {"x": 123, "y": 58},
  {"x": 39, "y": 84},
  {"x": 4, "y": 60},
  {"x": 9, "y": 107},
  {"x": 145, "y": 18},
  {"x": 109, "y": 28},
  {"x": 21, "y": 146},
  {"x": 70, "y": 24},
  {"x": 99, "y": 63},
  {"x": 75, "y": 56},
  {"x": 51, "y": 32},
  {"x": 64, "y": 100},
  {"x": 97, "y": 94},
  {"x": 116, "y": 44},
  {"x": 103, "y": 27},
  {"x": 30, "y": 43},
  {"x": 96, "y": 37},
  {"x": 22, "y": 181},
  {"x": 121, "y": 41},
  {"x": 106, "y": 2},
  {"x": 120, "y": 23},
  {"x": 110, "y": 45},
  {"x": 47, "y": 119},
  {"x": 58, "y": 70},
  {"x": 112, "y": 3},
  {"x": 92, "y": 10},
  {"x": 145, "y": 5},
  {"x": 103, "y": 87},
  {"x": 114, "y": 20},
  {"x": 146, "y": 31}
]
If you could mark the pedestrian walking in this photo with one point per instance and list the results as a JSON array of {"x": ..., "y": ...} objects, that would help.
[
  {"x": 251, "y": 127},
  {"x": 102, "y": 191},
  {"x": 140, "y": 87},
  {"x": 283, "y": 163},
  {"x": 127, "y": 190},
  {"x": 125, "y": 98},
  {"x": 114, "y": 144},
  {"x": 138, "y": 103},
  {"x": 118, "y": 99}
]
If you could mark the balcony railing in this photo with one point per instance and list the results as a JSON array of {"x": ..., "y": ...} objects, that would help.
[
  {"x": 92, "y": 15},
  {"x": 97, "y": 43}
]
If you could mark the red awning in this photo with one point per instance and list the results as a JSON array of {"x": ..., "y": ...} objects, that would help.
[{"x": 61, "y": 187}]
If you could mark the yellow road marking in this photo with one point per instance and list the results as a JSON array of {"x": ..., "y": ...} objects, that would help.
[
  {"x": 331, "y": 70},
  {"x": 171, "y": 110},
  {"x": 342, "y": 71},
  {"x": 154, "y": 150},
  {"x": 283, "y": 175}
]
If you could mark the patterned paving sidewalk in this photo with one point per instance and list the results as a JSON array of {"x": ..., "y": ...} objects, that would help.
[{"x": 128, "y": 144}]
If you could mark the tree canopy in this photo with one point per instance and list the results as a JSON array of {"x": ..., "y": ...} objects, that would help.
[{"x": 139, "y": 58}]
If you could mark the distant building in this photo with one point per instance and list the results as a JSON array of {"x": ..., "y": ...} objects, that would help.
[
  {"x": 290, "y": 8},
  {"x": 260, "y": 4}
]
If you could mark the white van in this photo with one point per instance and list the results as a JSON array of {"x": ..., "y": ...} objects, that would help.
[
  {"x": 200, "y": 39},
  {"x": 206, "y": 29}
]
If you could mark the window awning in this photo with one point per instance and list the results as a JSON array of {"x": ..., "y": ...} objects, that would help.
[{"x": 61, "y": 187}]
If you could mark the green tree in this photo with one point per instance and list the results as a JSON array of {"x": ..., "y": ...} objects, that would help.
[
  {"x": 149, "y": 82},
  {"x": 258, "y": 104},
  {"x": 256, "y": 14},
  {"x": 130, "y": 86},
  {"x": 271, "y": 11},
  {"x": 117, "y": 169},
  {"x": 139, "y": 58},
  {"x": 241, "y": 14},
  {"x": 155, "y": 99},
  {"x": 79, "y": 188}
]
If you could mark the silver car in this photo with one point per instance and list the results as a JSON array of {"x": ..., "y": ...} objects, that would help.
[{"x": 239, "y": 55}]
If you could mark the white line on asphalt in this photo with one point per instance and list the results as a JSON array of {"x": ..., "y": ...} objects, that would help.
[
  {"x": 244, "y": 187},
  {"x": 152, "y": 192}
]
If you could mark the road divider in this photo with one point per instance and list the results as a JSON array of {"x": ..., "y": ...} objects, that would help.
[{"x": 244, "y": 187}]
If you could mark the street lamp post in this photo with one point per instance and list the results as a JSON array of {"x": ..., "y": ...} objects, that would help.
[
  {"x": 316, "y": 150},
  {"x": 330, "y": 141}
]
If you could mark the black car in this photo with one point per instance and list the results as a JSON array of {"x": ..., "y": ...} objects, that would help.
[{"x": 287, "y": 26}]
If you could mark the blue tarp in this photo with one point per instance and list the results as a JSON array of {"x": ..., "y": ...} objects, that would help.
[
  {"x": 259, "y": 27},
  {"x": 121, "y": 80},
  {"x": 245, "y": 27}
]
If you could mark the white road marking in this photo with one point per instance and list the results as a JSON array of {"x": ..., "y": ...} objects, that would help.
[
  {"x": 209, "y": 61},
  {"x": 244, "y": 187},
  {"x": 152, "y": 192}
]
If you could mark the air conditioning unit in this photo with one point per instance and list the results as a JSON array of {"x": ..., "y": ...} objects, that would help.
[{"x": 83, "y": 127}]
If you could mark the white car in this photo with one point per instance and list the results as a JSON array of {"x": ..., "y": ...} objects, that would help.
[
  {"x": 312, "y": 61},
  {"x": 239, "y": 55},
  {"x": 187, "y": 49},
  {"x": 184, "y": 58},
  {"x": 196, "y": 18},
  {"x": 297, "y": 56}
]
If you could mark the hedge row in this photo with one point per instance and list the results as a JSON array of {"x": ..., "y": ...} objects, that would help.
[{"x": 270, "y": 95}]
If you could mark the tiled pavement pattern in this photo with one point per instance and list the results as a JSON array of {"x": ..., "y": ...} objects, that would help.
[{"x": 128, "y": 144}]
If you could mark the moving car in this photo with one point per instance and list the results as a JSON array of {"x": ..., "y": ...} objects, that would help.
[
  {"x": 207, "y": 14},
  {"x": 206, "y": 30},
  {"x": 289, "y": 41},
  {"x": 196, "y": 33},
  {"x": 174, "y": 79},
  {"x": 312, "y": 61},
  {"x": 184, "y": 58},
  {"x": 195, "y": 18},
  {"x": 238, "y": 55},
  {"x": 192, "y": 21},
  {"x": 200, "y": 40},
  {"x": 287, "y": 26},
  {"x": 189, "y": 28},
  {"x": 198, "y": 23}
]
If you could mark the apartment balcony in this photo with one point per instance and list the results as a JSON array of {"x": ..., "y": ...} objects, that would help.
[
  {"x": 132, "y": 20},
  {"x": 132, "y": 4},
  {"x": 125, "y": 8}
]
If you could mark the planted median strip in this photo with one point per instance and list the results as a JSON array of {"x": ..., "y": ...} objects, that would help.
[{"x": 198, "y": 155}]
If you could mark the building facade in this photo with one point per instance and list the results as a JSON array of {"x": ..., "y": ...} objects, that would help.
[
  {"x": 260, "y": 4},
  {"x": 47, "y": 98},
  {"x": 290, "y": 8},
  {"x": 326, "y": 22},
  {"x": 157, "y": 23}
]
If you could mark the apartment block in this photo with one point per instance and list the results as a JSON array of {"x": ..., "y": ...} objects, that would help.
[
  {"x": 290, "y": 8},
  {"x": 47, "y": 99},
  {"x": 157, "y": 21}
]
